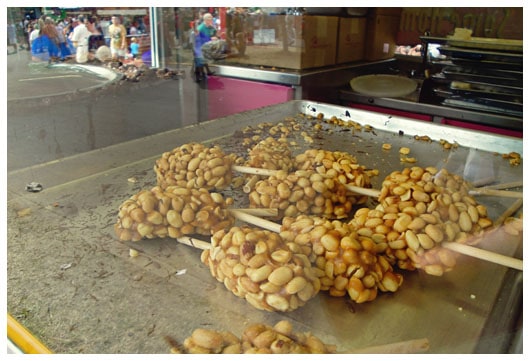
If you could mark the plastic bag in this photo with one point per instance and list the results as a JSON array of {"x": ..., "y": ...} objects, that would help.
[{"x": 214, "y": 50}]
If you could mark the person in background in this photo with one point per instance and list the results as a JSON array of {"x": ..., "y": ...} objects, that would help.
[
  {"x": 205, "y": 32},
  {"x": 141, "y": 26},
  {"x": 104, "y": 23},
  {"x": 34, "y": 34},
  {"x": 133, "y": 30},
  {"x": 50, "y": 31},
  {"x": 64, "y": 48},
  {"x": 25, "y": 32},
  {"x": 93, "y": 26},
  {"x": 118, "y": 43},
  {"x": 45, "y": 47},
  {"x": 12, "y": 37},
  {"x": 135, "y": 48},
  {"x": 26, "y": 24},
  {"x": 70, "y": 24},
  {"x": 80, "y": 39},
  {"x": 96, "y": 38},
  {"x": 191, "y": 35}
]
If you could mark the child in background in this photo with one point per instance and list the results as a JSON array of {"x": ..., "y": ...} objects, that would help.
[{"x": 135, "y": 48}]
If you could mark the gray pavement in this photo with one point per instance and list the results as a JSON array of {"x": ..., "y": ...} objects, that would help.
[
  {"x": 27, "y": 79},
  {"x": 59, "y": 111}
]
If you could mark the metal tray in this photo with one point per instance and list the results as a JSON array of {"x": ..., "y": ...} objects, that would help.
[
  {"x": 496, "y": 44},
  {"x": 167, "y": 285},
  {"x": 485, "y": 105},
  {"x": 470, "y": 93},
  {"x": 487, "y": 64},
  {"x": 510, "y": 78},
  {"x": 482, "y": 55},
  {"x": 480, "y": 86}
]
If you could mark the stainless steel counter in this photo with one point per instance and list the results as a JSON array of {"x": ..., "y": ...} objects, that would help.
[
  {"x": 331, "y": 85},
  {"x": 67, "y": 267},
  {"x": 437, "y": 112},
  {"x": 320, "y": 83}
]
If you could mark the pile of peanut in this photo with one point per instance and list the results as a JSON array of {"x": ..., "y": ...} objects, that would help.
[
  {"x": 418, "y": 209},
  {"x": 173, "y": 211},
  {"x": 257, "y": 265},
  {"x": 271, "y": 153},
  {"x": 303, "y": 192},
  {"x": 347, "y": 264},
  {"x": 316, "y": 186},
  {"x": 256, "y": 339},
  {"x": 339, "y": 165},
  {"x": 194, "y": 165}
]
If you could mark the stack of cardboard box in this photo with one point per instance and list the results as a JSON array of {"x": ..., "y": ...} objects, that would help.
[
  {"x": 382, "y": 26},
  {"x": 301, "y": 42},
  {"x": 313, "y": 41}
]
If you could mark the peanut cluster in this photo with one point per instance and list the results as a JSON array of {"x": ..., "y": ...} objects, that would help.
[
  {"x": 256, "y": 339},
  {"x": 257, "y": 265},
  {"x": 347, "y": 264},
  {"x": 173, "y": 212},
  {"x": 339, "y": 165},
  {"x": 194, "y": 165},
  {"x": 271, "y": 153},
  {"x": 419, "y": 208},
  {"x": 303, "y": 192},
  {"x": 316, "y": 187}
]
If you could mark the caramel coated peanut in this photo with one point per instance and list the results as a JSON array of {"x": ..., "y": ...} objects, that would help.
[{"x": 208, "y": 339}]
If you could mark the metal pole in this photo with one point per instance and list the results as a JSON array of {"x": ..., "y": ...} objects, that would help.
[{"x": 153, "y": 21}]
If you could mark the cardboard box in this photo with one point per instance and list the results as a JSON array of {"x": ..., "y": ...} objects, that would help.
[
  {"x": 386, "y": 11},
  {"x": 309, "y": 42},
  {"x": 381, "y": 34},
  {"x": 351, "y": 38}
]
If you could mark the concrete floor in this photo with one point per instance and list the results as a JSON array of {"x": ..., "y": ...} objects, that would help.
[{"x": 57, "y": 112}]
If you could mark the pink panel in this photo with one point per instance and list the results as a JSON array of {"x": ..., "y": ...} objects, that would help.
[
  {"x": 227, "y": 96},
  {"x": 484, "y": 128},
  {"x": 400, "y": 113}
]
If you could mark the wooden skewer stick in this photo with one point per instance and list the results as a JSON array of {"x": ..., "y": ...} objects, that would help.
[
  {"x": 504, "y": 185},
  {"x": 484, "y": 255},
  {"x": 374, "y": 193},
  {"x": 254, "y": 212},
  {"x": 485, "y": 191},
  {"x": 268, "y": 172},
  {"x": 260, "y": 212},
  {"x": 459, "y": 248},
  {"x": 249, "y": 186},
  {"x": 260, "y": 222},
  {"x": 495, "y": 192},
  {"x": 476, "y": 192},
  {"x": 193, "y": 242},
  {"x": 403, "y": 347},
  {"x": 251, "y": 170},
  {"x": 507, "y": 213}
]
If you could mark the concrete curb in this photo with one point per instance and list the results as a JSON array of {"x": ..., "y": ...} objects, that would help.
[{"x": 108, "y": 74}]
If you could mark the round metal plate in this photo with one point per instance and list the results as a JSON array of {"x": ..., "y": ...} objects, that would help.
[{"x": 381, "y": 85}]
